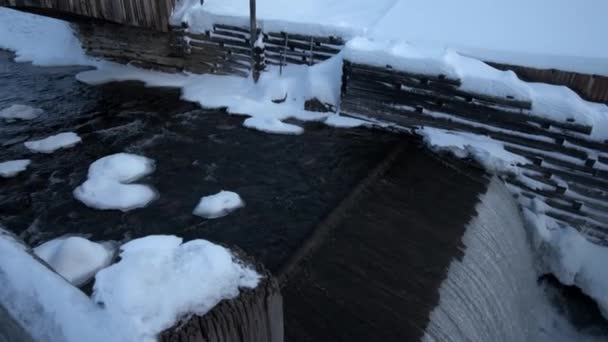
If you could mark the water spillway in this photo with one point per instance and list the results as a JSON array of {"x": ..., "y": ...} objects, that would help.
[{"x": 491, "y": 293}]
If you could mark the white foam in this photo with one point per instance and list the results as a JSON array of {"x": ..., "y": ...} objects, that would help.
[
  {"x": 20, "y": 112},
  {"x": 218, "y": 205},
  {"x": 53, "y": 143},
  {"x": 75, "y": 258},
  {"x": 107, "y": 185},
  {"x": 13, "y": 167}
]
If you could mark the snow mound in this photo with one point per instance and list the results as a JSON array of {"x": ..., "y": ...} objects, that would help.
[
  {"x": 489, "y": 153},
  {"x": 107, "y": 185},
  {"x": 40, "y": 40},
  {"x": 53, "y": 143},
  {"x": 20, "y": 112},
  {"x": 569, "y": 256},
  {"x": 218, "y": 205},
  {"x": 13, "y": 167},
  {"x": 75, "y": 258},
  {"x": 159, "y": 279}
]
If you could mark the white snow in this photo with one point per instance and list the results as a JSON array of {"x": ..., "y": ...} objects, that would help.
[
  {"x": 40, "y": 40},
  {"x": 561, "y": 34},
  {"x": 19, "y": 111},
  {"x": 218, "y": 205},
  {"x": 504, "y": 32},
  {"x": 272, "y": 125},
  {"x": 107, "y": 186},
  {"x": 319, "y": 17},
  {"x": 569, "y": 256},
  {"x": 241, "y": 95},
  {"x": 341, "y": 121},
  {"x": 75, "y": 258},
  {"x": 13, "y": 167},
  {"x": 489, "y": 153},
  {"x": 53, "y": 143},
  {"x": 157, "y": 281}
]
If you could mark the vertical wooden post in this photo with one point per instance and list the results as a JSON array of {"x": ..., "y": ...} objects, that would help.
[{"x": 253, "y": 38}]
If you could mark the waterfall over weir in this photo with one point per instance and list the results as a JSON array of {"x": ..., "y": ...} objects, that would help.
[{"x": 492, "y": 293}]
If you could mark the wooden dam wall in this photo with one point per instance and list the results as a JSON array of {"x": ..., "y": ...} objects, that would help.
[
  {"x": 567, "y": 169},
  {"x": 152, "y": 14}
]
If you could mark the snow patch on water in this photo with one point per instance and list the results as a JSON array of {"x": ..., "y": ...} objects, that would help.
[
  {"x": 218, "y": 205},
  {"x": 242, "y": 96},
  {"x": 53, "y": 143},
  {"x": 107, "y": 186},
  {"x": 75, "y": 258},
  {"x": 340, "y": 121},
  {"x": 20, "y": 112},
  {"x": 13, "y": 167}
]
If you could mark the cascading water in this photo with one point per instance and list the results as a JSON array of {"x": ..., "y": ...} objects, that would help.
[{"x": 492, "y": 293}]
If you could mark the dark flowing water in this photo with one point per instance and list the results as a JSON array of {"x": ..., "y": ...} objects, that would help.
[{"x": 289, "y": 183}]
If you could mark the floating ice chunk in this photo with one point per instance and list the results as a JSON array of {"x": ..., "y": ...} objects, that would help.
[
  {"x": 121, "y": 167},
  {"x": 489, "y": 153},
  {"x": 218, "y": 205},
  {"x": 75, "y": 258},
  {"x": 20, "y": 112},
  {"x": 105, "y": 187},
  {"x": 338, "y": 120},
  {"x": 272, "y": 125},
  {"x": 13, "y": 167},
  {"x": 159, "y": 280},
  {"x": 53, "y": 143}
]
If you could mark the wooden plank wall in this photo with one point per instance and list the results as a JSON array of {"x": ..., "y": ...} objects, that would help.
[
  {"x": 590, "y": 87},
  {"x": 574, "y": 186},
  {"x": 152, "y": 14}
]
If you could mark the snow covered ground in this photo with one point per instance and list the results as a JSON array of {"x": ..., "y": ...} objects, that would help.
[
  {"x": 20, "y": 112},
  {"x": 158, "y": 280},
  {"x": 13, "y": 167},
  {"x": 53, "y": 143},
  {"x": 40, "y": 40},
  {"x": 108, "y": 184},
  {"x": 561, "y": 34},
  {"x": 218, "y": 205},
  {"x": 75, "y": 258},
  {"x": 320, "y": 17}
]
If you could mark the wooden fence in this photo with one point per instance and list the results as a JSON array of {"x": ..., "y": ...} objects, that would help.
[{"x": 567, "y": 169}]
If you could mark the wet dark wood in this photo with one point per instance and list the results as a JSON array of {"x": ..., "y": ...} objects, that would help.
[
  {"x": 256, "y": 315},
  {"x": 377, "y": 262},
  {"x": 151, "y": 14}
]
